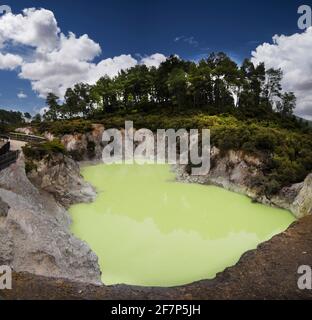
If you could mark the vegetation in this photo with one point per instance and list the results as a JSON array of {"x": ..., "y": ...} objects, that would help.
[
  {"x": 59, "y": 128},
  {"x": 9, "y": 120},
  {"x": 244, "y": 107},
  {"x": 38, "y": 151},
  {"x": 11, "y": 117},
  {"x": 214, "y": 85}
]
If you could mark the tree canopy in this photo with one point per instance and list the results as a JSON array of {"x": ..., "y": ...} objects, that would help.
[{"x": 216, "y": 84}]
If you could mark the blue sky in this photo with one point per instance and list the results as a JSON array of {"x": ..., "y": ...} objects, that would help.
[{"x": 191, "y": 29}]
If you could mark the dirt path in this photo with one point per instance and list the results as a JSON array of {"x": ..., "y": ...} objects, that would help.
[
  {"x": 17, "y": 145},
  {"x": 270, "y": 272}
]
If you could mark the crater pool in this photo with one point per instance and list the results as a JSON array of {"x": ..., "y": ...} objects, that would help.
[{"x": 149, "y": 230}]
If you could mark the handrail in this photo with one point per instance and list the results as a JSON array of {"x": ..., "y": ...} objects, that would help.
[
  {"x": 25, "y": 137},
  {"x": 7, "y": 159},
  {"x": 5, "y": 148},
  {"x": 4, "y": 137}
]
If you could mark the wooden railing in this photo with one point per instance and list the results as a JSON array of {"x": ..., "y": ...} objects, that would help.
[
  {"x": 7, "y": 159},
  {"x": 5, "y": 148},
  {"x": 4, "y": 137},
  {"x": 25, "y": 137}
]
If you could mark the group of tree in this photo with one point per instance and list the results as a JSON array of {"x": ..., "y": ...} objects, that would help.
[
  {"x": 16, "y": 117},
  {"x": 11, "y": 117},
  {"x": 215, "y": 84}
]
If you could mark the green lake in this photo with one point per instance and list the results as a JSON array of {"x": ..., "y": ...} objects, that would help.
[{"x": 149, "y": 230}]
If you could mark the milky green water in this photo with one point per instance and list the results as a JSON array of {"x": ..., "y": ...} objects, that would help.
[{"x": 149, "y": 230}]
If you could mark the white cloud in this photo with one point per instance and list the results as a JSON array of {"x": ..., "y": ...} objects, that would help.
[
  {"x": 189, "y": 40},
  {"x": 36, "y": 28},
  {"x": 10, "y": 61},
  {"x": 110, "y": 67},
  {"x": 154, "y": 60},
  {"x": 293, "y": 55},
  {"x": 58, "y": 61},
  {"x": 22, "y": 95}
]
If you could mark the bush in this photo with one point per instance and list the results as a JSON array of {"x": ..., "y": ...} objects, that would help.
[
  {"x": 37, "y": 151},
  {"x": 59, "y": 128},
  {"x": 285, "y": 146},
  {"x": 30, "y": 166}
]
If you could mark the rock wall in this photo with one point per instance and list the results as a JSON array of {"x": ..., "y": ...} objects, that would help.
[
  {"x": 35, "y": 236},
  {"x": 233, "y": 170},
  {"x": 60, "y": 176},
  {"x": 302, "y": 205},
  {"x": 87, "y": 146}
]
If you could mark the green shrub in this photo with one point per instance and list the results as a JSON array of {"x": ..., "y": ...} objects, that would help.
[
  {"x": 30, "y": 166},
  {"x": 59, "y": 128},
  {"x": 37, "y": 151}
]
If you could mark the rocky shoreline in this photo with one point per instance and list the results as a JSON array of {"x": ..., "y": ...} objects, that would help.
[
  {"x": 35, "y": 234},
  {"x": 36, "y": 239}
]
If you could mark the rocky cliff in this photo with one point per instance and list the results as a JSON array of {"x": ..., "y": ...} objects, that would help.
[
  {"x": 237, "y": 171},
  {"x": 232, "y": 170},
  {"x": 34, "y": 230},
  {"x": 83, "y": 146},
  {"x": 60, "y": 176}
]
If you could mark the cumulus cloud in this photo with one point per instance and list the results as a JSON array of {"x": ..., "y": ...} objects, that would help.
[
  {"x": 10, "y": 61},
  {"x": 35, "y": 28},
  {"x": 57, "y": 61},
  {"x": 22, "y": 95},
  {"x": 293, "y": 55},
  {"x": 154, "y": 60}
]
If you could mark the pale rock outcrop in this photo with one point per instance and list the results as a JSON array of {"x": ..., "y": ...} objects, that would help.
[
  {"x": 235, "y": 171},
  {"x": 60, "y": 176},
  {"x": 35, "y": 235},
  {"x": 232, "y": 171},
  {"x": 26, "y": 130},
  {"x": 303, "y": 202},
  {"x": 88, "y": 145}
]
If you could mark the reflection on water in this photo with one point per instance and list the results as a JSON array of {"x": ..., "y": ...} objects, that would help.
[{"x": 149, "y": 230}]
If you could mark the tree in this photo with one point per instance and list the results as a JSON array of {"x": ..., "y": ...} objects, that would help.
[
  {"x": 201, "y": 84},
  {"x": 287, "y": 104},
  {"x": 273, "y": 87},
  {"x": 84, "y": 99},
  {"x": 70, "y": 107},
  {"x": 105, "y": 93},
  {"x": 27, "y": 115},
  {"x": 37, "y": 118},
  {"x": 251, "y": 88},
  {"x": 216, "y": 84},
  {"x": 177, "y": 85},
  {"x": 11, "y": 117},
  {"x": 54, "y": 108}
]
